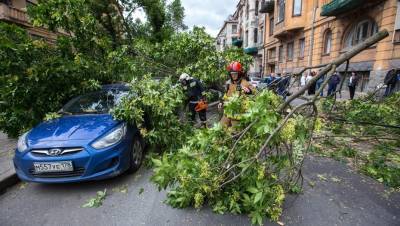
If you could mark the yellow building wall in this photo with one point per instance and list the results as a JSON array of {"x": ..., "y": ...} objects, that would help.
[{"x": 383, "y": 56}]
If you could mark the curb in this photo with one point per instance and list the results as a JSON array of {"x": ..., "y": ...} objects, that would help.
[{"x": 8, "y": 181}]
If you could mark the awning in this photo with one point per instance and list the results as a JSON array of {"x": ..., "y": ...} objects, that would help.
[{"x": 358, "y": 66}]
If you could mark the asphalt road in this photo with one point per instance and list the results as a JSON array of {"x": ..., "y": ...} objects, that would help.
[{"x": 333, "y": 195}]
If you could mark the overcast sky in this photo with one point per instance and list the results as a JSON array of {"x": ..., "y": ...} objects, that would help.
[{"x": 208, "y": 13}]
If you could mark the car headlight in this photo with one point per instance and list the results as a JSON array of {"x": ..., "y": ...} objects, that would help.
[
  {"x": 21, "y": 145},
  {"x": 111, "y": 138}
]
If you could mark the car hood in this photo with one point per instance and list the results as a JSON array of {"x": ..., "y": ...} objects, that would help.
[{"x": 71, "y": 128}]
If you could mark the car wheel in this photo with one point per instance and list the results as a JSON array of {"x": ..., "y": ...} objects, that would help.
[{"x": 136, "y": 155}]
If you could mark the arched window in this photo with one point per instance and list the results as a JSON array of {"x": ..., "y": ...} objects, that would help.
[
  {"x": 327, "y": 41},
  {"x": 358, "y": 32}
]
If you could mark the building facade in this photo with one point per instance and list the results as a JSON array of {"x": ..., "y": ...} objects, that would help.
[
  {"x": 301, "y": 33},
  {"x": 14, "y": 11},
  {"x": 250, "y": 33},
  {"x": 228, "y": 34}
]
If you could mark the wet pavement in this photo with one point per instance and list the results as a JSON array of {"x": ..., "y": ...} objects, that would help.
[{"x": 333, "y": 195}]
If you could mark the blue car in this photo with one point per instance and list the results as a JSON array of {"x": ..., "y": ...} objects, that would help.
[{"x": 86, "y": 143}]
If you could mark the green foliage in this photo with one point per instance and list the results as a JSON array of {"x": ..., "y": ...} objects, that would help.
[
  {"x": 35, "y": 79},
  {"x": 96, "y": 201},
  {"x": 365, "y": 114},
  {"x": 154, "y": 106},
  {"x": 233, "y": 175},
  {"x": 383, "y": 164},
  {"x": 51, "y": 116},
  {"x": 192, "y": 52}
]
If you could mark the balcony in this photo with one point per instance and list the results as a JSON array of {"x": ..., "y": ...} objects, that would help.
[
  {"x": 237, "y": 42},
  {"x": 267, "y": 6},
  {"x": 336, "y": 7},
  {"x": 11, "y": 14},
  {"x": 251, "y": 50}
]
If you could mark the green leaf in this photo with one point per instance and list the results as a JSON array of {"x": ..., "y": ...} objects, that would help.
[
  {"x": 258, "y": 197},
  {"x": 252, "y": 190}
]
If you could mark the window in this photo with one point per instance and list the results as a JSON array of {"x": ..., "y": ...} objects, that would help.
[
  {"x": 397, "y": 36},
  {"x": 255, "y": 35},
  {"x": 297, "y": 7},
  {"x": 359, "y": 32},
  {"x": 272, "y": 54},
  {"x": 281, "y": 10},
  {"x": 262, "y": 35},
  {"x": 327, "y": 42},
  {"x": 301, "y": 47},
  {"x": 280, "y": 54},
  {"x": 271, "y": 26},
  {"x": 256, "y": 12},
  {"x": 246, "y": 38},
  {"x": 290, "y": 47},
  {"x": 234, "y": 29},
  {"x": 247, "y": 10}
]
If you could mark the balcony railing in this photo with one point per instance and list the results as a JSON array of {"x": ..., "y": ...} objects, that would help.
[
  {"x": 267, "y": 6},
  {"x": 12, "y": 14},
  {"x": 336, "y": 7}
]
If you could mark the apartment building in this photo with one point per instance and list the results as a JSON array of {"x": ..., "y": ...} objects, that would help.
[
  {"x": 302, "y": 33},
  {"x": 248, "y": 23},
  {"x": 228, "y": 34},
  {"x": 14, "y": 11}
]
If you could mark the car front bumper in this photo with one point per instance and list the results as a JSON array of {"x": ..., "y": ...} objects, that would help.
[{"x": 89, "y": 164}]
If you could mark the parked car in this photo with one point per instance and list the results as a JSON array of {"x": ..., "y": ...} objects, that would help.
[
  {"x": 263, "y": 84},
  {"x": 255, "y": 81},
  {"x": 85, "y": 143}
]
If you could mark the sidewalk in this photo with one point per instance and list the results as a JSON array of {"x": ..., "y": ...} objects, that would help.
[
  {"x": 7, "y": 173},
  {"x": 345, "y": 94}
]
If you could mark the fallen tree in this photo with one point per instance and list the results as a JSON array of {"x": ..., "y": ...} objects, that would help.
[{"x": 248, "y": 168}]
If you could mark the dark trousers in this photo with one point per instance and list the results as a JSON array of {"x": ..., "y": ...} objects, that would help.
[
  {"x": 389, "y": 89},
  {"x": 192, "y": 113},
  {"x": 331, "y": 90},
  {"x": 318, "y": 85},
  {"x": 311, "y": 90},
  {"x": 352, "y": 90}
]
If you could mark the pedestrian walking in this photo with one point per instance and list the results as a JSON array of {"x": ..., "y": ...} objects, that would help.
[
  {"x": 269, "y": 79},
  {"x": 283, "y": 85},
  {"x": 390, "y": 82},
  {"x": 195, "y": 97},
  {"x": 353, "y": 82},
  {"x": 303, "y": 80},
  {"x": 319, "y": 83},
  {"x": 311, "y": 89},
  {"x": 332, "y": 84}
]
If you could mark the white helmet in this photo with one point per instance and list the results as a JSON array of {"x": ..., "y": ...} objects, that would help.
[{"x": 183, "y": 77}]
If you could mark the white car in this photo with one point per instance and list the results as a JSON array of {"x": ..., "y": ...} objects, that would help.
[{"x": 255, "y": 81}]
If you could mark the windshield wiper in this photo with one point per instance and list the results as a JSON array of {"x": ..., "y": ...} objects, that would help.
[{"x": 64, "y": 113}]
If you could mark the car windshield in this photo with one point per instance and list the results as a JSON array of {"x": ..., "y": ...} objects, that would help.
[{"x": 99, "y": 102}]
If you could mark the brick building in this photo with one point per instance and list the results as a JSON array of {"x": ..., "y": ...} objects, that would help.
[{"x": 301, "y": 33}]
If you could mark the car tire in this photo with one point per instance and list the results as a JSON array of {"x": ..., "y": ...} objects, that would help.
[{"x": 136, "y": 154}]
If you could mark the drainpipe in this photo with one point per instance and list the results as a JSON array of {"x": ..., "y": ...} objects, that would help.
[{"x": 312, "y": 37}]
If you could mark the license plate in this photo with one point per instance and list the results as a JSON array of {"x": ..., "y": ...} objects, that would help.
[{"x": 44, "y": 167}]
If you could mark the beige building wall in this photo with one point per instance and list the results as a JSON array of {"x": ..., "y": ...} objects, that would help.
[{"x": 372, "y": 64}]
